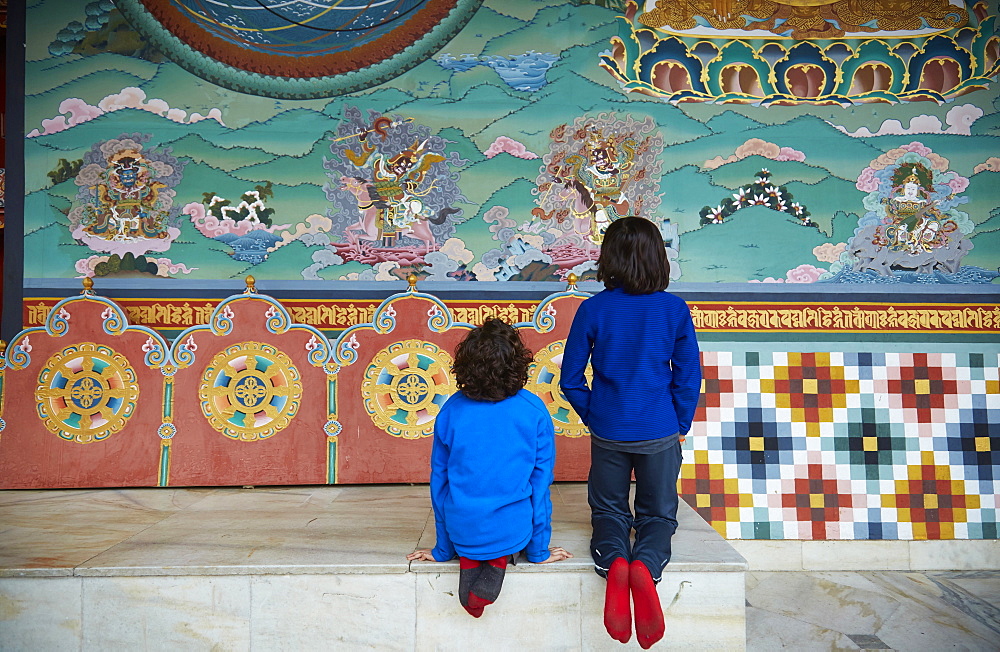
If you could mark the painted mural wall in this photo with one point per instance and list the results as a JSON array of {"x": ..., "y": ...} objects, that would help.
[
  {"x": 768, "y": 152},
  {"x": 826, "y": 177}
]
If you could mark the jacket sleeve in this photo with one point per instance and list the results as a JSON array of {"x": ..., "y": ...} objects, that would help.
[
  {"x": 443, "y": 548},
  {"x": 579, "y": 344},
  {"x": 685, "y": 387},
  {"x": 541, "y": 502}
]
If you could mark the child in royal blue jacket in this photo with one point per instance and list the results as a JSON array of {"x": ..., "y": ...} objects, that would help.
[
  {"x": 641, "y": 344},
  {"x": 491, "y": 467}
]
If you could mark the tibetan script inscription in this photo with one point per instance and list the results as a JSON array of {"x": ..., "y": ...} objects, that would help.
[{"x": 708, "y": 317}]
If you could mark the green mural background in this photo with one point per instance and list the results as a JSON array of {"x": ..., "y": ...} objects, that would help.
[{"x": 491, "y": 116}]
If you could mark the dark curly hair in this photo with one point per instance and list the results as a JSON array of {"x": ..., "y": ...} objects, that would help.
[
  {"x": 633, "y": 257},
  {"x": 491, "y": 363}
]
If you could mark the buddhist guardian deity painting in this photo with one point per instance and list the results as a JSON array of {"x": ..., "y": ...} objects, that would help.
[{"x": 825, "y": 141}]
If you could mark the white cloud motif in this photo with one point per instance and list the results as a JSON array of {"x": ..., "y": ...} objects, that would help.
[{"x": 959, "y": 119}]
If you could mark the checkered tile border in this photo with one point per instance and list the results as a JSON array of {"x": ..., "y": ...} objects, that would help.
[{"x": 846, "y": 445}]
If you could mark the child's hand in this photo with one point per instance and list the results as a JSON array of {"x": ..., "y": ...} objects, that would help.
[
  {"x": 424, "y": 554},
  {"x": 557, "y": 554}
]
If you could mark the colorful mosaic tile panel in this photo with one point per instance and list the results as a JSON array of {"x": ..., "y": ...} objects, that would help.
[{"x": 846, "y": 445}]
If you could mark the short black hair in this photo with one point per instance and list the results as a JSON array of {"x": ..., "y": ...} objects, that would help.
[
  {"x": 633, "y": 257},
  {"x": 492, "y": 362}
]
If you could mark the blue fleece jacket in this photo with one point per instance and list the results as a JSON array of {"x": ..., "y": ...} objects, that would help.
[
  {"x": 646, "y": 363},
  {"x": 491, "y": 467}
]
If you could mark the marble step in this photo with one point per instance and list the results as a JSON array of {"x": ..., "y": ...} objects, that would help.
[{"x": 303, "y": 568}]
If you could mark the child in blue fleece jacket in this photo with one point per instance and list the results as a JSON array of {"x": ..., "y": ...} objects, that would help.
[
  {"x": 641, "y": 344},
  {"x": 491, "y": 467}
]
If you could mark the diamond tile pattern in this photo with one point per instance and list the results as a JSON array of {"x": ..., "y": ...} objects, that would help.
[{"x": 842, "y": 445}]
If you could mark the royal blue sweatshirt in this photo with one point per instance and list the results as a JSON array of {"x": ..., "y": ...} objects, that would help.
[
  {"x": 491, "y": 467},
  {"x": 647, "y": 368}
]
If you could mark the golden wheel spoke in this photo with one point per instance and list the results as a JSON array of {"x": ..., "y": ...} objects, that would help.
[
  {"x": 215, "y": 392},
  {"x": 64, "y": 413}
]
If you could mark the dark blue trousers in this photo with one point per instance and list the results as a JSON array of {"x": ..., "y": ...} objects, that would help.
[{"x": 655, "y": 516}]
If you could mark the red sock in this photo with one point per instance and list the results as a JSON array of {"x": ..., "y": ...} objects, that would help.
[
  {"x": 487, "y": 588},
  {"x": 617, "y": 614},
  {"x": 477, "y": 603},
  {"x": 499, "y": 562},
  {"x": 469, "y": 571},
  {"x": 649, "y": 626}
]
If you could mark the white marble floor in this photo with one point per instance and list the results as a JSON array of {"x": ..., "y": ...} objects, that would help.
[{"x": 881, "y": 610}]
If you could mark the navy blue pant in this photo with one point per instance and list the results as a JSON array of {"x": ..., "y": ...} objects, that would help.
[{"x": 655, "y": 507}]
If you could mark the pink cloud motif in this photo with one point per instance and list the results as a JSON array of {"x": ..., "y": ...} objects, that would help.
[
  {"x": 992, "y": 164},
  {"x": 867, "y": 181},
  {"x": 789, "y": 154},
  {"x": 50, "y": 127},
  {"x": 938, "y": 162},
  {"x": 958, "y": 183},
  {"x": 509, "y": 146},
  {"x": 829, "y": 252},
  {"x": 801, "y": 274},
  {"x": 756, "y": 147},
  {"x": 130, "y": 97},
  {"x": 210, "y": 226},
  {"x": 804, "y": 274},
  {"x": 79, "y": 112},
  {"x": 917, "y": 147}
]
